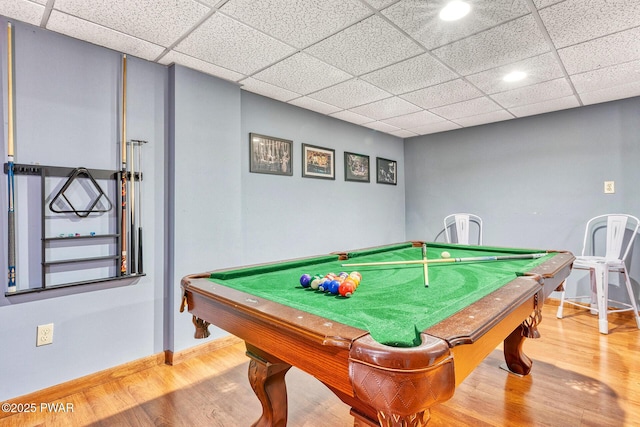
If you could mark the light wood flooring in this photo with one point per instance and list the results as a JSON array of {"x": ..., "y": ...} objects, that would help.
[{"x": 579, "y": 378}]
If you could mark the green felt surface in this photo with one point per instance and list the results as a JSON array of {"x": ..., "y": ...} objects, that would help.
[{"x": 391, "y": 302}]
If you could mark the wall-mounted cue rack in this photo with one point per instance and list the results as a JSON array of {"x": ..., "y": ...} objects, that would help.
[{"x": 62, "y": 203}]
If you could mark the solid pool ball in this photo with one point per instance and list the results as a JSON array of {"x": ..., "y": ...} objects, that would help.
[
  {"x": 305, "y": 280},
  {"x": 445, "y": 254},
  {"x": 347, "y": 288},
  {"x": 355, "y": 276},
  {"x": 334, "y": 286}
]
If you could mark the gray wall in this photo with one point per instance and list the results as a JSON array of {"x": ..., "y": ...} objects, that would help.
[{"x": 535, "y": 181}]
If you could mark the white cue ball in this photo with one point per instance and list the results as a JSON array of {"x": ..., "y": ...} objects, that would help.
[{"x": 445, "y": 254}]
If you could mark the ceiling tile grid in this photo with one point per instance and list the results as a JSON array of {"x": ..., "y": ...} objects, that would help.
[{"x": 390, "y": 65}]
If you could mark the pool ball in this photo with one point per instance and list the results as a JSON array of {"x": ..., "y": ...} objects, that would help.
[
  {"x": 334, "y": 286},
  {"x": 347, "y": 288},
  {"x": 305, "y": 280},
  {"x": 315, "y": 281},
  {"x": 445, "y": 254}
]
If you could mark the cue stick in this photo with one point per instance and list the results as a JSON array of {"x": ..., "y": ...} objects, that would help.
[
  {"x": 425, "y": 265},
  {"x": 123, "y": 155},
  {"x": 11, "y": 221},
  {"x": 132, "y": 214},
  {"x": 449, "y": 260},
  {"x": 140, "y": 269}
]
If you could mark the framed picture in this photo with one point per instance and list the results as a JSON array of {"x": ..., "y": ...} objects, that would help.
[
  {"x": 318, "y": 162},
  {"x": 387, "y": 172},
  {"x": 270, "y": 155},
  {"x": 356, "y": 167}
]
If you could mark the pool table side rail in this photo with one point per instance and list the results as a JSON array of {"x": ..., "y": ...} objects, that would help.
[{"x": 472, "y": 322}]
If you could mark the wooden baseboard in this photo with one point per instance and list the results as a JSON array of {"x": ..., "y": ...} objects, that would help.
[
  {"x": 68, "y": 388},
  {"x": 172, "y": 358}
]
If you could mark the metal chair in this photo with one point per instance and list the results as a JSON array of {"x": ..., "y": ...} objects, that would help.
[
  {"x": 619, "y": 232},
  {"x": 457, "y": 228}
]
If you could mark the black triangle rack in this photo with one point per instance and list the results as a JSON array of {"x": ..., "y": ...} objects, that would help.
[{"x": 93, "y": 206}]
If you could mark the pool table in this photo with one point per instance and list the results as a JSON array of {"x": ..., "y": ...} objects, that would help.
[{"x": 395, "y": 347}]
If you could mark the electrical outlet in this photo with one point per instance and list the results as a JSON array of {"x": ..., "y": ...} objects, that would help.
[
  {"x": 609, "y": 187},
  {"x": 45, "y": 335}
]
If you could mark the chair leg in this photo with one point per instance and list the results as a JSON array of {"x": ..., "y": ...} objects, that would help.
[
  {"x": 560, "y": 307},
  {"x": 631, "y": 297},
  {"x": 600, "y": 271}
]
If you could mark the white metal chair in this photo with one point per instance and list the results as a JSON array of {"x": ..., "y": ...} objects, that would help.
[
  {"x": 619, "y": 232},
  {"x": 457, "y": 228}
]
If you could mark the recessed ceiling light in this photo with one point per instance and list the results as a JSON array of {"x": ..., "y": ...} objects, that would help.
[
  {"x": 514, "y": 76},
  {"x": 454, "y": 10}
]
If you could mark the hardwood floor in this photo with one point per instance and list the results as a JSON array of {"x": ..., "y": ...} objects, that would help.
[{"x": 579, "y": 378}]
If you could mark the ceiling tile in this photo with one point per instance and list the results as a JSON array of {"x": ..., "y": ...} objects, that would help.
[
  {"x": 545, "y": 106},
  {"x": 602, "y": 52},
  {"x": 507, "y": 43},
  {"x": 349, "y": 116},
  {"x": 382, "y": 127},
  {"x": 539, "y": 69},
  {"x": 297, "y": 22},
  {"x": 350, "y": 94},
  {"x": 383, "y": 109},
  {"x": 314, "y": 105},
  {"x": 533, "y": 94},
  {"x": 403, "y": 133},
  {"x": 378, "y": 4},
  {"x": 544, "y": 3},
  {"x": 196, "y": 64},
  {"x": 442, "y": 126},
  {"x": 230, "y": 44},
  {"x": 302, "y": 73},
  {"x": 413, "y": 120},
  {"x": 494, "y": 116},
  {"x": 22, "y": 10},
  {"x": 611, "y": 94},
  {"x": 604, "y": 78},
  {"x": 158, "y": 21},
  {"x": 265, "y": 89},
  {"x": 365, "y": 46},
  {"x": 420, "y": 19},
  {"x": 575, "y": 21},
  {"x": 472, "y": 107},
  {"x": 85, "y": 30},
  {"x": 414, "y": 73},
  {"x": 443, "y": 94}
]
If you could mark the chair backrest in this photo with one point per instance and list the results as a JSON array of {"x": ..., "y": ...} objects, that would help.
[
  {"x": 460, "y": 223},
  {"x": 621, "y": 230}
]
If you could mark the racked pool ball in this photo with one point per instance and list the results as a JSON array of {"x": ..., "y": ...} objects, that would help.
[
  {"x": 347, "y": 288},
  {"x": 305, "y": 280},
  {"x": 334, "y": 286},
  {"x": 315, "y": 281}
]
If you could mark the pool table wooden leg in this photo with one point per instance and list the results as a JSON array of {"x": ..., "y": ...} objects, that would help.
[
  {"x": 267, "y": 380},
  {"x": 517, "y": 362}
]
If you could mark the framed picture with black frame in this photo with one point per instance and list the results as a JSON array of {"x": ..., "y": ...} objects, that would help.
[
  {"x": 270, "y": 155},
  {"x": 356, "y": 167},
  {"x": 386, "y": 171},
  {"x": 318, "y": 162}
]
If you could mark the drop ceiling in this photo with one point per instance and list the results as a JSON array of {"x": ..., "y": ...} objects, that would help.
[{"x": 389, "y": 65}]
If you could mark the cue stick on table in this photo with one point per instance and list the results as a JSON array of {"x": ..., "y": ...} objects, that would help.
[
  {"x": 425, "y": 265},
  {"x": 449, "y": 260}
]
